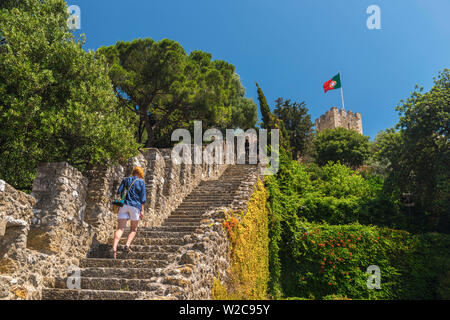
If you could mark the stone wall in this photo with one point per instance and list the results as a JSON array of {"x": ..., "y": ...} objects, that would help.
[
  {"x": 340, "y": 119},
  {"x": 70, "y": 214},
  {"x": 206, "y": 254},
  {"x": 44, "y": 234},
  {"x": 23, "y": 270}
]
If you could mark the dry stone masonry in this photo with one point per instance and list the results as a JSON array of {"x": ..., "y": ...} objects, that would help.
[{"x": 66, "y": 226}]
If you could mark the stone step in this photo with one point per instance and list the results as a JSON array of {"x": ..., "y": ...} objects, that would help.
[
  {"x": 228, "y": 182},
  {"x": 215, "y": 189},
  {"x": 182, "y": 223},
  {"x": 191, "y": 214},
  {"x": 207, "y": 202},
  {"x": 173, "y": 228},
  {"x": 196, "y": 224},
  {"x": 110, "y": 284},
  {"x": 150, "y": 248},
  {"x": 221, "y": 192},
  {"x": 64, "y": 294},
  {"x": 155, "y": 241},
  {"x": 176, "y": 218},
  {"x": 167, "y": 292},
  {"x": 142, "y": 255},
  {"x": 216, "y": 197},
  {"x": 125, "y": 263},
  {"x": 125, "y": 273},
  {"x": 105, "y": 250},
  {"x": 159, "y": 234},
  {"x": 200, "y": 209},
  {"x": 209, "y": 196},
  {"x": 184, "y": 209},
  {"x": 210, "y": 191},
  {"x": 199, "y": 206},
  {"x": 206, "y": 191}
]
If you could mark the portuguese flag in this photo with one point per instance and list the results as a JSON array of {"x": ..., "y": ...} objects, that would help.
[{"x": 334, "y": 83}]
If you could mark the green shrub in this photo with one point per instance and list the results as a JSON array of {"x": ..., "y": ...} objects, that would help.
[
  {"x": 318, "y": 250},
  {"x": 323, "y": 260}
]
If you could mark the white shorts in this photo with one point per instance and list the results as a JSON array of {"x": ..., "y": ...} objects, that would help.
[{"x": 129, "y": 213}]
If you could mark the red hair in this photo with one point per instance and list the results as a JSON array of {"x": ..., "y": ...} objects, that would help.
[{"x": 138, "y": 172}]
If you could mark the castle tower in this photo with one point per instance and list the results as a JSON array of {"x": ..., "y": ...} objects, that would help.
[{"x": 340, "y": 119}]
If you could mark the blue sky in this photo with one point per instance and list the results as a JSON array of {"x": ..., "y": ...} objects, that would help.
[{"x": 291, "y": 47}]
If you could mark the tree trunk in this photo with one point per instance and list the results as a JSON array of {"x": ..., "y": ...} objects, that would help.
[
  {"x": 148, "y": 128},
  {"x": 140, "y": 128}
]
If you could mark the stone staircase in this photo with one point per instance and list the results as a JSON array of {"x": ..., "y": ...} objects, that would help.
[{"x": 140, "y": 274}]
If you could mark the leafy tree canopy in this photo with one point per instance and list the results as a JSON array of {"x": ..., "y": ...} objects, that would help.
[
  {"x": 346, "y": 146},
  {"x": 164, "y": 88},
  {"x": 297, "y": 123},
  {"x": 56, "y": 102},
  {"x": 418, "y": 153}
]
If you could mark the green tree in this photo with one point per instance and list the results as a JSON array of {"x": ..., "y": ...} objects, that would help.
[
  {"x": 167, "y": 89},
  {"x": 268, "y": 121},
  {"x": 419, "y": 153},
  {"x": 271, "y": 121},
  {"x": 56, "y": 102},
  {"x": 297, "y": 123},
  {"x": 346, "y": 146}
]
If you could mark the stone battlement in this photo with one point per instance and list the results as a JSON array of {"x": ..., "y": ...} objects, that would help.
[{"x": 335, "y": 118}]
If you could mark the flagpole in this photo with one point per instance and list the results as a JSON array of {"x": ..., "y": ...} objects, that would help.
[{"x": 342, "y": 92}]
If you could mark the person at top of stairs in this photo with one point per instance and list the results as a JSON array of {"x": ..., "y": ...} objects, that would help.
[{"x": 133, "y": 208}]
